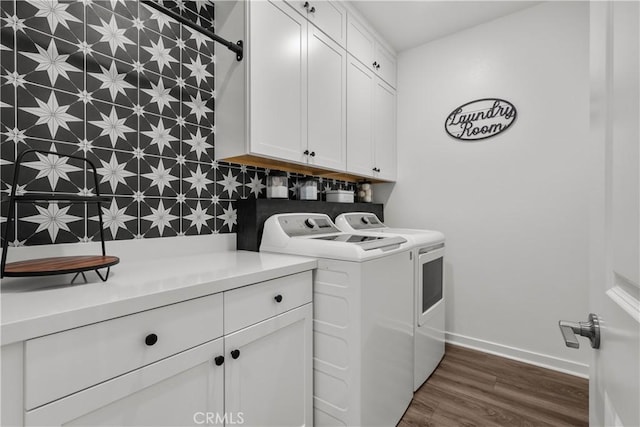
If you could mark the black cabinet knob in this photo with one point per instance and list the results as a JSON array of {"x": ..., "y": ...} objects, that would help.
[
  {"x": 219, "y": 360},
  {"x": 375, "y": 64},
  {"x": 235, "y": 354},
  {"x": 278, "y": 298},
  {"x": 312, "y": 154},
  {"x": 306, "y": 5},
  {"x": 151, "y": 339},
  {"x": 305, "y": 152},
  {"x": 313, "y": 9}
]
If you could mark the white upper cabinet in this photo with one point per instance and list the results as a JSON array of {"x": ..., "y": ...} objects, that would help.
[
  {"x": 369, "y": 50},
  {"x": 294, "y": 103},
  {"x": 277, "y": 55},
  {"x": 327, "y": 106},
  {"x": 360, "y": 42},
  {"x": 384, "y": 134},
  {"x": 385, "y": 65},
  {"x": 371, "y": 131},
  {"x": 328, "y": 16},
  {"x": 299, "y": 100},
  {"x": 360, "y": 102}
]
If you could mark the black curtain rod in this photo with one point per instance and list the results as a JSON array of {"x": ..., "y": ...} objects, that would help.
[{"x": 235, "y": 47}]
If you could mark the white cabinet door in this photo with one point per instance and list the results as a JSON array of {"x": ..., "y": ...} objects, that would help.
[
  {"x": 269, "y": 379},
  {"x": 278, "y": 81},
  {"x": 181, "y": 390},
  {"x": 360, "y": 102},
  {"x": 327, "y": 71},
  {"x": 331, "y": 18},
  {"x": 384, "y": 134},
  {"x": 386, "y": 65},
  {"x": 360, "y": 42}
]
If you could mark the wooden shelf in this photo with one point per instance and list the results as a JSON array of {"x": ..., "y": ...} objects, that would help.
[
  {"x": 45, "y": 197},
  {"x": 59, "y": 265}
]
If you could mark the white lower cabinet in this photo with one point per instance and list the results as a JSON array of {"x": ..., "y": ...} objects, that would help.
[
  {"x": 129, "y": 371},
  {"x": 269, "y": 381},
  {"x": 177, "y": 391}
]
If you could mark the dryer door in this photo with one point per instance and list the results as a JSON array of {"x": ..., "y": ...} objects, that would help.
[{"x": 430, "y": 280}]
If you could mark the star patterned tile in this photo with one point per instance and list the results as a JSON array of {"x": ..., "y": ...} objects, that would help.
[
  {"x": 110, "y": 34},
  {"x": 159, "y": 217},
  {"x": 50, "y": 114},
  {"x": 49, "y": 62},
  {"x": 117, "y": 172},
  {"x": 43, "y": 223},
  {"x": 197, "y": 41},
  {"x": 198, "y": 70},
  {"x": 159, "y": 177},
  {"x": 159, "y": 136},
  {"x": 61, "y": 19},
  {"x": 159, "y": 95},
  {"x": 198, "y": 217},
  {"x": 198, "y": 180},
  {"x": 159, "y": 23},
  {"x": 112, "y": 126},
  {"x": 119, "y": 219},
  {"x": 255, "y": 184},
  {"x": 159, "y": 54},
  {"x": 111, "y": 80},
  {"x": 227, "y": 216},
  {"x": 197, "y": 106},
  {"x": 228, "y": 181},
  {"x": 197, "y": 143},
  {"x": 125, "y": 8}
]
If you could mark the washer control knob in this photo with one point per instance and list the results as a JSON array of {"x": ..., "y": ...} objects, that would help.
[
  {"x": 310, "y": 222},
  {"x": 365, "y": 220}
]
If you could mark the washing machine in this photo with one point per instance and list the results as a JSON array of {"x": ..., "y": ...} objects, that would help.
[
  {"x": 428, "y": 279},
  {"x": 362, "y": 330}
]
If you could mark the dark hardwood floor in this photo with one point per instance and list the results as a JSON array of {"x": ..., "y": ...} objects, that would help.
[{"x": 471, "y": 388}]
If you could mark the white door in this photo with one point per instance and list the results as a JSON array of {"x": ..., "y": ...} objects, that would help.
[
  {"x": 615, "y": 282},
  {"x": 360, "y": 101},
  {"x": 268, "y": 376},
  {"x": 327, "y": 124},
  {"x": 384, "y": 134},
  {"x": 278, "y": 70},
  {"x": 181, "y": 390}
]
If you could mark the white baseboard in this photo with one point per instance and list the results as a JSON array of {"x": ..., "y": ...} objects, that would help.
[{"x": 530, "y": 357}]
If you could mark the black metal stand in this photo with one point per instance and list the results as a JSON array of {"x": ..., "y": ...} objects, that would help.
[
  {"x": 60, "y": 265},
  {"x": 236, "y": 47}
]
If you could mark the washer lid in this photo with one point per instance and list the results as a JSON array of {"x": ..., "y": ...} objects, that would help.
[{"x": 365, "y": 242}]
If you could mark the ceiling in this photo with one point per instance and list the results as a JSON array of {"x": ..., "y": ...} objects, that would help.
[{"x": 407, "y": 24}]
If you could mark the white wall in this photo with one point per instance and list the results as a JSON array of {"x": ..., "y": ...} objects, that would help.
[{"x": 514, "y": 208}]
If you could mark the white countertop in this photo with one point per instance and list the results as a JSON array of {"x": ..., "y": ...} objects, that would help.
[{"x": 34, "y": 307}]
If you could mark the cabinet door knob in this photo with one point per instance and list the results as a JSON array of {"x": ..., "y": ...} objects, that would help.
[
  {"x": 278, "y": 298},
  {"x": 313, "y": 9},
  {"x": 305, "y": 152},
  {"x": 306, "y": 5},
  {"x": 151, "y": 339},
  {"x": 235, "y": 354},
  {"x": 312, "y": 154},
  {"x": 219, "y": 360},
  {"x": 375, "y": 64}
]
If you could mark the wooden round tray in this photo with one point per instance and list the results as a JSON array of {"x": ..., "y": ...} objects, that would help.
[{"x": 59, "y": 265}]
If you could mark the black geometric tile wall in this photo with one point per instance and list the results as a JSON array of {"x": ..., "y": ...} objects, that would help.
[{"x": 131, "y": 90}]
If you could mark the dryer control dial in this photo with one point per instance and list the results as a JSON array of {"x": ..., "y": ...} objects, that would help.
[{"x": 310, "y": 222}]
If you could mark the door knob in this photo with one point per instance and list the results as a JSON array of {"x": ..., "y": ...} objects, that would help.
[{"x": 589, "y": 329}]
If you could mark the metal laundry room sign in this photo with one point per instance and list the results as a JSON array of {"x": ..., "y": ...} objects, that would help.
[{"x": 480, "y": 119}]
